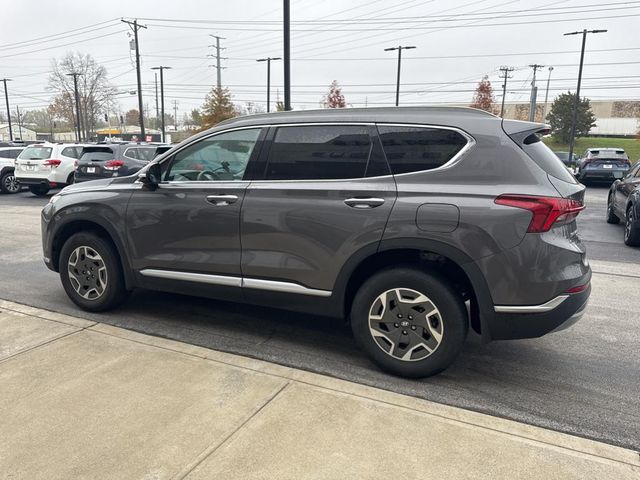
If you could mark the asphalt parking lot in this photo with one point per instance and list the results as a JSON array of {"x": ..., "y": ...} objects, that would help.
[{"x": 584, "y": 381}]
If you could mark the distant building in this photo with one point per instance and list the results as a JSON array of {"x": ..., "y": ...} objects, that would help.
[{"x": 19, "y": 133}]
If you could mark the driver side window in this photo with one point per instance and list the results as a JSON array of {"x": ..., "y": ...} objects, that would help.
[{"x": 222, "y": 157}]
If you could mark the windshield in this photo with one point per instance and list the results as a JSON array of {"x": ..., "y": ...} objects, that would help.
[{"x": 35, "y": 153}]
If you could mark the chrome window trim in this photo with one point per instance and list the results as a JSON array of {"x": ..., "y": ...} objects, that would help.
[
  {"x": 545, "y": 307},
  {"x": 228, "y": 281}
]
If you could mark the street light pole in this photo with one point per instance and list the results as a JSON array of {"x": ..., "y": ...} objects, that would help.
[
  {"x": 268, "y": 60},
  {"x": 162, "y": 69},
  {"x": 287, "y": 54},
  {"x": 75, "y": 88},
  {"x": 399, "y": 49},
  {"x": 574, "y": 117},
  {"x": 6, "y": 99},
  {"x": 546, "y": 95}
]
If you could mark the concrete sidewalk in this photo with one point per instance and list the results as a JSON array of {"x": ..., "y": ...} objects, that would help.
[{"x": 80, "y": 399}]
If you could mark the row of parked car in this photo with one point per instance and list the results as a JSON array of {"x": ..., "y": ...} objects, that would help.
[
  {"x": 612, "y": 165},
  {"x": 44, "y": 166}
]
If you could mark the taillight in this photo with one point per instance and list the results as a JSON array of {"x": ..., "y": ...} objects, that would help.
[
  {"x": 53, "y": 163},
  {"x": 113, "y": 165},
  {"x": 579, "y": 288},
  {"x": 547, "y": 211}
]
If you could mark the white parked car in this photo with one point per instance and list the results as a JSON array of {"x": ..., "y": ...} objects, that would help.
[
  {"x": 8, "y": 182},
  {"x": 44, "y": 166}
]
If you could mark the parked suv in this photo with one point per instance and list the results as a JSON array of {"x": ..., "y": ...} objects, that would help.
[
  {"x": 44, "y": 166},
  {"x": 8, "y": 182},
  {"x": 623, "y": 203},
  {"x": 603, "y": 164},
  {"x": 115, "y": 160},
  {"x": 413, "y": 223}
]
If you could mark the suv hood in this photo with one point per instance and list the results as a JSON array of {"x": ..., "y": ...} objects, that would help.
[{"x": 84, "y": 186}]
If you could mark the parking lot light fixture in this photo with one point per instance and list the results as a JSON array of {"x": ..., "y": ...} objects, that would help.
[
  {"x": 268, "y": 60},
  {"x": 399, "y": 48},
  {"x": 574, "y": 117}
]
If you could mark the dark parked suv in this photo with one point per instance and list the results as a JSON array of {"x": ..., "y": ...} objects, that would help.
[
  {"x": 115, "y": 160},
  {"x": 413, "y": 223}
]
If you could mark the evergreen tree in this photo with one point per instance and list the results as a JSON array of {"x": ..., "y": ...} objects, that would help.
[
  {"x": 561, "y": 115},
  {"x": 217, "y": 107}
]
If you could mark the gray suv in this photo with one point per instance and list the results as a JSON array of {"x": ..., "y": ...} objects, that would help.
[{"x": 413, "y": 223}]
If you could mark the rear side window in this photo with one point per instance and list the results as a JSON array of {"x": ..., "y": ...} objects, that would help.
[
  {"x": 72, "y": 152},
  {"x": 35, "y": 153},
  {"x": 546, "y": 159},
  {"x": 11, "y": 153},
  {"x": 319, "y": 153},
  {"x": 414, "y": 149},
  {"x": 140, "y": 153}
]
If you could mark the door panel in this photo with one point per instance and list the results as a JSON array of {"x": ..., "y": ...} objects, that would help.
[{"x": 303, "y": 232}]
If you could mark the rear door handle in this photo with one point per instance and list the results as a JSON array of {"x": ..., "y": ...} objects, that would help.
[
  {"x": 364, "y": 202},
  {"x": 222, "y": 200}
]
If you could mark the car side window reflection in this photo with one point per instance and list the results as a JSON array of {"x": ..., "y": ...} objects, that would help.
[{"x": 222, "y": 157}]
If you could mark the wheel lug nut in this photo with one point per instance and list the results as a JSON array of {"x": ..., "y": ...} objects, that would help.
[
  {"x": 413, "y": 327},
  {"x": 399, "y": 316},
  {"x": 410, "y": 317},
  {"x": 404, "y": 332},
  {"x": 396, "y": 325}
]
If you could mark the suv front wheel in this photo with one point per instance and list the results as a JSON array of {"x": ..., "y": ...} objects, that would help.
[
  {"x": 91, "y": 273},
  {"x": 410, "y": 322}
]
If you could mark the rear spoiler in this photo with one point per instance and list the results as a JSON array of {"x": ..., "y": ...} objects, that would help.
[{"x": 519, "y": 130}]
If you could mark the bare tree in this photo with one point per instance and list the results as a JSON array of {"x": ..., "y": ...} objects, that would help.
[{"x": 94, "y": 90}]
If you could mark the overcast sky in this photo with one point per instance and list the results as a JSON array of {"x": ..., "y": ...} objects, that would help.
[{"x": 458, "y": 41}]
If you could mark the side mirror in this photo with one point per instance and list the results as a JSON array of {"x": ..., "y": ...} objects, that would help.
[{"x": 151, "y": 177}]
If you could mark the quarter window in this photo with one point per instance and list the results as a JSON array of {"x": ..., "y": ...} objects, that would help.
[
  {"x": 413, "y": 149},
  {"x": 71, "y": 152},
  {"x": 222, "y": 157},
  {"x": 319, "y": 153}
]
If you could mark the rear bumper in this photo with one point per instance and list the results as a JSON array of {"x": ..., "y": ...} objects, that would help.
[
  {"x": 604, "y": 175},
  {"x": 27, "y": 181},
  {"x": 535, "y": 321}
]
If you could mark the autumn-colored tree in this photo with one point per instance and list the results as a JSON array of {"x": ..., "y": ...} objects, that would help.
[
  {"x": 334, "y": 98},
  {"x": 483, "y": 97},
  {"x": 217, "y": 107},
  {"x": 132, "y": 117},
  {"x": 561, "y": 116}
]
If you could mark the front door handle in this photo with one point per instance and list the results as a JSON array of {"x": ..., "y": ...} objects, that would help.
[
  {"x": 364, "y": 202},
  {"x": 222, "y": 200}
]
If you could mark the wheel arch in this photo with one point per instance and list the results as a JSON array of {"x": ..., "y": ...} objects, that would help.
[
  {"x": 75, "y": 225},
  {"x": 448, "y": 261}
]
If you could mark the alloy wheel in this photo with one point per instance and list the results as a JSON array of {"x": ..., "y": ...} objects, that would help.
[
  {"x": 87, "y": 273},
  {"x": 405, "y": 324},
  {"x": 11, "y": 184},
  {"x": 628, "y": 224}
]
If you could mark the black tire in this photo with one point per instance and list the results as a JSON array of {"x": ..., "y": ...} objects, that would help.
[
  {"x": 39, "y": 190},
  {"x": 71, "y": 178},
  {"x": 611, "y": 216},
  {"x": 451, "y": 318},
  {"x": 111, "y": 296},
  {"x": 8, "y": 183},
  {"x": 632, "y": 228}
]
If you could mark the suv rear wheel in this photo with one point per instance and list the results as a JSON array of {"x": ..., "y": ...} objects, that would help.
[
  {"x": 411, "y": 323},
  {"x": 632, "y": 229},
  {"x": 91, "y": 273},
  {"x": 39, "y": 190}
]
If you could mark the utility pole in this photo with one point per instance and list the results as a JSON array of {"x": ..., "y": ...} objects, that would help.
[
  {"x": 157, "y": 111},
  {"x": 399, "y": 49},
  {"x": 19, "y": 121},
  {"x": 75, "y": 89},
  {"x": 286, "y": 24},
  {"x": 546, "y": 95},
  {"x": 268, "y": 60},
  {"x": 175, "y": 114},
  {"x": 135, "y": 26},
  {"x": 574, "y": 117},
  {"x": 218, "y": 58},
  {"x": 505, "y": 75},
  {"x": 6, "y": 99},
  {"x": 162, "y": 69},
  {"x": 534, "y": 93}
]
